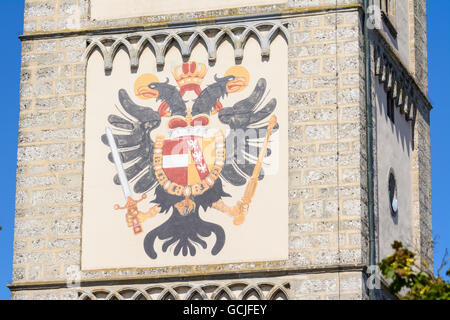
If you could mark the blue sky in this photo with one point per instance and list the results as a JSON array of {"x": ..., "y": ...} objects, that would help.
[
  {"x": 438, "y": 72},
  {"x": 11, "y": 21}
]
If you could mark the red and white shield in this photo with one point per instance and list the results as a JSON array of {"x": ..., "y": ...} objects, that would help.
[
  {"x": 190, "y": 160},
  {"x": 184, "y": 161}
]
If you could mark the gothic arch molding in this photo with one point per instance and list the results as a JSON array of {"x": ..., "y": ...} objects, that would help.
[{"x": 186, "y": 39}]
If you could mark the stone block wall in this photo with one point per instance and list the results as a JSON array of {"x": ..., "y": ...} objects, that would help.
[
  {"x": 420, "y": 44},
  {"x": 422, "y": 190},
  {"x": 422, "y": 152},
  {"x": 328, "y": 228},
  {"x": 325, "y": 179},
  {"x": 326, "y": 209},
  {"x": 50, "y": 159}
]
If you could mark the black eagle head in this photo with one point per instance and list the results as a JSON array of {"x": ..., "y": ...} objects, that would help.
[
  {"x": 169, "y": 94},
  {"x": 163, "y": 90},
  {"x": 224, "y": 82}
]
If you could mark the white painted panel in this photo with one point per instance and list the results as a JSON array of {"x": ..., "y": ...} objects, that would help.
[{"x": 116, "y": 9}]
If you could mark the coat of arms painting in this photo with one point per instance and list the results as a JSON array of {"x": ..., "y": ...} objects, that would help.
[{"x": 186, "y": 164}]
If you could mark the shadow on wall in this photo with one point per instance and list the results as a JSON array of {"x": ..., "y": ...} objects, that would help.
[{"x": 399, "y": 126}]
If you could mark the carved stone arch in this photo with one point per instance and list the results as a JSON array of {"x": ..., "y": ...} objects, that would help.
[
  {"x": 167, "y": 294},
  {"x": 401, "y": 94},
  {"x": 83, "y": 295},
  {"x": 191, "y": 42},
  {"x": 272, "y": 34},
  {"x": 222, "y": 36},
  {"x": 199, "y": 37},
  {"x": 184, "y": 48},
  {"x": 143, "y": 42},
  {"x": 390, "y": 79},
  {"x": 280, "y": 291},
  {"x": 209, "y": 289},
  {"x": 140, "y": 294},
  {"x": 200, "y": 33},
  {"x": 129, "y": 293},
  {"x": 247, "y": 292},
  {"x": 92, "y": 46},
  {"x": 117, "y": 45},
  {"x": 265, "y": 283},
  {"x": 413, "y": 124},
  {"x": 126, "y": 293},
  {"x": 410, "y": 107},
  {"x": 108, "y": 57},
  {"x": 241, "y": 40},
  {"x": 248, "y": 32},
  {"x": 266, "y": 287},
  {"x": 196, "y": 292},
  {"x": 182, "y": 290},
  {"x": 378, "y": 60},
  {"x": 406, "y": 100},
  {"x": 114, "y": 296},
  {"x": 276, "y": 292},
  {"x": 210, "y": 44},
  {"x": 221, "y": 292},
  {"x": 172, "y": 40},
  {"x": 155, "y": 290},
  {"x": 384, "y": 69},
  {"x": 395, "y": 85},
  {"x": 238, "y": 286},
  {"x": 263, "y": 40},
  {"x": 102, "y": 294}
]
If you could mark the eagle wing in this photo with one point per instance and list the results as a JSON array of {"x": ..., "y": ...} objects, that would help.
[
  {"x": 210, "y": 95},
  {"x": 134, "y": 142},
  {"x": 247, "y": 121}
]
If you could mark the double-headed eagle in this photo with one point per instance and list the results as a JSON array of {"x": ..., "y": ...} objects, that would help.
[{"x": 186, "y": 168}]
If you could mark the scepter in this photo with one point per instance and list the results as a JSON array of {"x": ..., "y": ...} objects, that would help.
[{"x": 253, "y": 183}]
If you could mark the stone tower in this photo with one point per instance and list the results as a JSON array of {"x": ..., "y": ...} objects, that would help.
[{"x": 346, "y": 184}]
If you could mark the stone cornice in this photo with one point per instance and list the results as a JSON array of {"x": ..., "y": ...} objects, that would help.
[
  {"x": 49, "y": 285},
  {"x": 181, "y": 23},
  {"x": 397, "y": 78}
]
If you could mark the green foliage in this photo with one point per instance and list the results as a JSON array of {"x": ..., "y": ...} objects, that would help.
[{"x": 401, "y": 270}]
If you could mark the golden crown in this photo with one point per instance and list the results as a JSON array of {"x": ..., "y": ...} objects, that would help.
[{"x": 189, "y": 73}]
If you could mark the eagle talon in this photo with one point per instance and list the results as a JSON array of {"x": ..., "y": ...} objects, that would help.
[
  {"x": 186, "y": 206},
  {"x": 238, "y": 212},
  {"x": 239, "y": 220},
  {"x": 134, "y": 217},
  {"x": 143, "y": 216}
]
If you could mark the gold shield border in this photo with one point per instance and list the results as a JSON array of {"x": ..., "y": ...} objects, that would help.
[{"x": 196, "y": 189}]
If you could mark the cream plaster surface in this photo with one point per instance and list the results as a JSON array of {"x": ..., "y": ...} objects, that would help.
[
  {"x": 394, "y": 146},
  {"x": 116, "y": 9},
  {"x": 107, "y": 241}
]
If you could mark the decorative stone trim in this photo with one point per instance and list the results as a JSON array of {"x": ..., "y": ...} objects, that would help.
[
  {"x": 185, "y": 291},
  {"x": 186, "y": 39},
  {"x": 397, "y": 79}
]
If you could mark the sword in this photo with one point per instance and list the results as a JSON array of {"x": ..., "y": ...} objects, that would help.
[{"x": 131, "y": 205}]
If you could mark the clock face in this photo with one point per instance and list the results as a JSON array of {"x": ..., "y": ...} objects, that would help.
[{"x": 393, "y": 194}]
